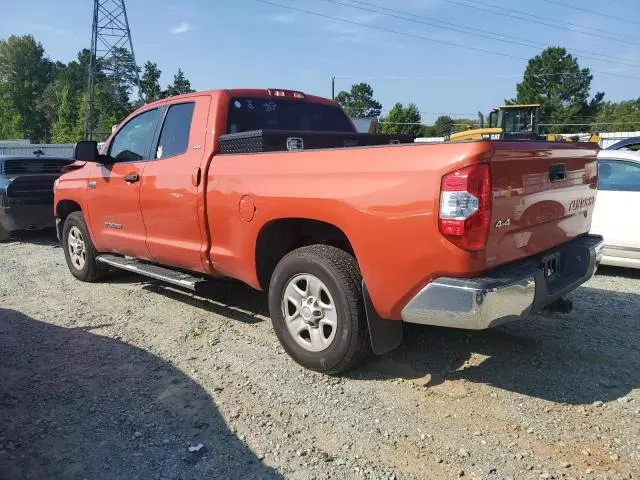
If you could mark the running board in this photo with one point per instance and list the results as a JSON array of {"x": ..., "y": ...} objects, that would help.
[{"x": 156, "y": 272}]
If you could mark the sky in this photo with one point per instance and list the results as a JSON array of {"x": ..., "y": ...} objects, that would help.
[{"x": 256, "y": 43}]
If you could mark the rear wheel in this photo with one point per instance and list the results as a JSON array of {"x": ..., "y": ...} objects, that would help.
[
  {"x": 79, "y": 250},
  {"x": 317, "y": 309}
]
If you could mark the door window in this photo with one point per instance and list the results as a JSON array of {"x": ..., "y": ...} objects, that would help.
[
  {"x": 633, "y": 147},
  {"x": 618, "y": 176},
  {"x": 132, "y": 142},
  {"x": 174, "y": 138}
]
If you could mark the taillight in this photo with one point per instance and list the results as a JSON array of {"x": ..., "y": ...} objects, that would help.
[{"x": 465, "y": 207}]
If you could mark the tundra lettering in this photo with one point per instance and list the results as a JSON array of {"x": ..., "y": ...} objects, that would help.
[{"x": 581, "y": 203}]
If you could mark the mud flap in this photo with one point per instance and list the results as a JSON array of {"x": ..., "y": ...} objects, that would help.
[{"x": 385, "y": 335}]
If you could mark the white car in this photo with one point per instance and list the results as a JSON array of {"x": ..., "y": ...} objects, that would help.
[{"x": 616, "y": 215}]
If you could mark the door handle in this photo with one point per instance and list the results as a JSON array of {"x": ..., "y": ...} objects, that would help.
[
  {"x": 132, "y": 178},
  {"x": 196, "y": 176},
  {"x": 558, "y": 172}
]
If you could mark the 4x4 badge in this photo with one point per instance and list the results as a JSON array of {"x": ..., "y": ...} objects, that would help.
[{"x": 503, "y": 223}]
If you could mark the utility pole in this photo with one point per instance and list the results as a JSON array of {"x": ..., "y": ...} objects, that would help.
[
  {"x": 110, "y": 37},
  {"x": 333, "y": 88}
]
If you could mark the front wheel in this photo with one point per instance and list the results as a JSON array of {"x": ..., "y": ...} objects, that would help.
[
  {"x": 317, "y": 309},
  {"x": 79, "y": 251}
]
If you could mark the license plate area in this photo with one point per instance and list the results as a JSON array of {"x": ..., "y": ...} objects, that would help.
[{"x": 551, "y": 265}]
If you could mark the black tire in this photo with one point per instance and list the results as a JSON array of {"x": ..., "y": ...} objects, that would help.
[
  {"x": 339, "y": 272},
  {"x": 4, "y": 235},
  {"x": 91, "y": 271}
]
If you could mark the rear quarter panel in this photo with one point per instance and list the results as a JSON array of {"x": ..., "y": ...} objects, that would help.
[{"x": 385, "y": 199}]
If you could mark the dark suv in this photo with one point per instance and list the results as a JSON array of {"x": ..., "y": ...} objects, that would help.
[{"x": 26, "y": 192}]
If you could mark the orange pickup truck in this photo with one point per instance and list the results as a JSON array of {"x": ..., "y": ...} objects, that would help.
[{"x": 349, "y": 235}]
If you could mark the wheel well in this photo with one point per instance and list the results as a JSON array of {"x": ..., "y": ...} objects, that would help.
[
  {"x": 66, "y": 207},
  {"x": 279, "y": 237}
]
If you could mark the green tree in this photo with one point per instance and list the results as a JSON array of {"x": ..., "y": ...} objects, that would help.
[
  {"x": 555, "y": 80},
  {"x": 359, "y": 102},
  {"x": 150, "y": 82},
  {"x": 402, "y": 120},
  {"x": 179, "y": 86},
  {"x": 71, "y": 78},
  {"x": 444, "y": 125},
  {"x": 618, "y": 117},
  {"x": 24, "y": 73},
  {"x": 11, "y": 121},
  {"x": 65, "y": 128},
  {"x": 120, "y": 78}
]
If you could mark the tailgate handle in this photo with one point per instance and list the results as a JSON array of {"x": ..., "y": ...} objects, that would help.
[{"x": 558, "y": 172}]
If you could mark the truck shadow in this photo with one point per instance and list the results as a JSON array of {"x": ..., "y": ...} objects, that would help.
[
  {"x": 587, "y": 356},
  {"x": 74, "y": 404},
  {"x": 45, "y": 237},
  {"x": 577, "y": 359},
  {"x": 608, "y": 271},
  {"x": 233, "y": 300}
]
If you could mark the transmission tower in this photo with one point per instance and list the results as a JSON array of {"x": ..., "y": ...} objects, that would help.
[{"x": 110, "y": 35}]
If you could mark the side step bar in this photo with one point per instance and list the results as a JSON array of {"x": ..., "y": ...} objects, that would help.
[{"x": 157, "y": 272}]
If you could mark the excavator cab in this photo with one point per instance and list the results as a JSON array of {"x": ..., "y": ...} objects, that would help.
[
  {"x": 515, "y": 118},
  {"x": 507, "y": 122},
  {"x": 516, "y": 122}
]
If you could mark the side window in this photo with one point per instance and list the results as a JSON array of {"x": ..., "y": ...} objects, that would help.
[
  {"x": 618, "y": 176},
  {"x": 174, "y": 137},
  {"x": 133, "y": 141},
  {"x": 634, "y": 147}
]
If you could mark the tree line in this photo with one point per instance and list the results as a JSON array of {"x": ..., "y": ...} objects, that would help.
[
  {"x": 46, "y": 101},
  {"x": 553, "y": 79}
]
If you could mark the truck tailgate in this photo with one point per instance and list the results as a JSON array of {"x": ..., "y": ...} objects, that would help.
[{"x": 543, "y": 196}]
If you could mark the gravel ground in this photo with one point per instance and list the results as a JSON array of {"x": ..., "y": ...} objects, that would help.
[{"x": 119, "y": 379}]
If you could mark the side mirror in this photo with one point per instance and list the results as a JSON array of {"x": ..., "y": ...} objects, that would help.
[{"x": 86, "y": 151}]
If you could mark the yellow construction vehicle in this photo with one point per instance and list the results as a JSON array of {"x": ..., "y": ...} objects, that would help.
[{"x": 514, "y": 122}]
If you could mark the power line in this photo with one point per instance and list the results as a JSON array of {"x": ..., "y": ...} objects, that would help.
[
  {"x": 389, "y": 30},
  {"x": 466, "y": 75},
  {"x": 449, "y": 114},
  {"x": 459, "y": 75},
  {"x": 418, "y": 37},
  {"x": 519, "y": 15},
  {"x": 589, "y": 28},
  {"x": 581, "y": 9},
  {"x": 471, "y": 31}
]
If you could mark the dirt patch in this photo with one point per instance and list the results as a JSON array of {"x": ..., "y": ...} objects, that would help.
[{"x": 119, "y": 379}]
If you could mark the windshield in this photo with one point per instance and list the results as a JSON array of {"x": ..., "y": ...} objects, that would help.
[{"x": 247, "y": 114}]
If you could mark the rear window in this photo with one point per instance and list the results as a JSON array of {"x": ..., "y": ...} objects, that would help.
[{"x": 247, "y": 114}]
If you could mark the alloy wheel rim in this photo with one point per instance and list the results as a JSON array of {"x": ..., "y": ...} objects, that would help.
[
  {"x": 77, "y": 248},
  {"x": 309, "y": 312}
]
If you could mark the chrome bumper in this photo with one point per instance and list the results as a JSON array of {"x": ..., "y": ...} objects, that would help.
[{"x": 505, "y": 294}]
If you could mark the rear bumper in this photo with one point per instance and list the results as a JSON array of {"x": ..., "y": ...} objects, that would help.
[
  {"x": 26, "y": 217},
  {"x": 507, "y": 293}
]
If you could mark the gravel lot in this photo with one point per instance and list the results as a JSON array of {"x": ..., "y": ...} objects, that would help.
[{"x": 119, "y": 379}]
